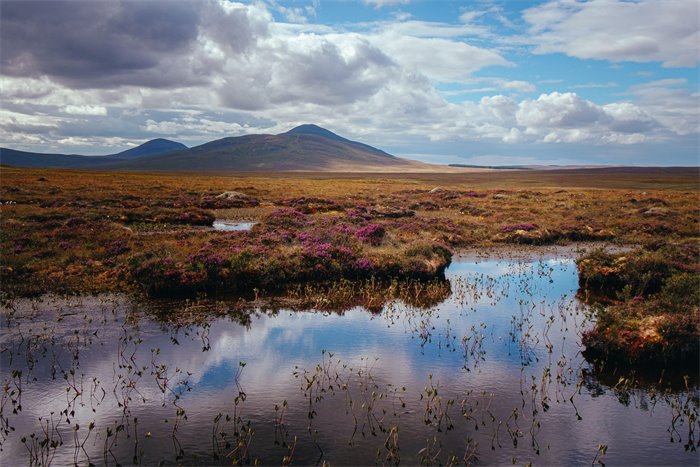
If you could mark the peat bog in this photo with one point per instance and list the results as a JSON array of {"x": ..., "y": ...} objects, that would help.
[{"x": 346, "y": 323}]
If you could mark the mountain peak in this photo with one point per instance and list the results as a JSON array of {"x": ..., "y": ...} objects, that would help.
[
  {"x": 311, "y": 129},
  {"x": 154, "y": 146}
]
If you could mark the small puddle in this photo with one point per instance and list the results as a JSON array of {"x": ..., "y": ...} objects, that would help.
[{"x": 228, "y": 225}]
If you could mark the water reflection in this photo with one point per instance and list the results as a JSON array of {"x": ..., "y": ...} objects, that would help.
[
  {"x": 494, "y": 374},
  {"x": 228, "y": 225}
]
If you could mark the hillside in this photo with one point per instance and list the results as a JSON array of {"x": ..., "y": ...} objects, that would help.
[
  {"x": 304, "y": 148},
  {"x": 149, "y": 148},
  {"x": 17, "y": 158}
]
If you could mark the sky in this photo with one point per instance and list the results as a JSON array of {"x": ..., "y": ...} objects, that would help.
[{"x": 475, "y": 82}]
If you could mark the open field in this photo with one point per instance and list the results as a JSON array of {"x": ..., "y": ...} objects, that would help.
[
  {"x": 634, "y": 178},
  {"x": 89, "y": 232}
]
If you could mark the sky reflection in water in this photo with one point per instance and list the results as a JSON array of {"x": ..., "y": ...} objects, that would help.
[
  {"x": 504, "y": 348},
  {"x": 226, "y": 225}
]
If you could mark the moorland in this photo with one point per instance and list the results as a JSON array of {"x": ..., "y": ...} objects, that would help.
[{"x": 78, "y": 232}]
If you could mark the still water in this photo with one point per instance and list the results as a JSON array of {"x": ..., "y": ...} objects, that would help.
[
  {"x": 229, "y": 225},
  {"x": 492, "y": 375}
]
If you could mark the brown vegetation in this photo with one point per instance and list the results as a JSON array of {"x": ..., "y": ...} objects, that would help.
[{"x": 76, "y": 232}]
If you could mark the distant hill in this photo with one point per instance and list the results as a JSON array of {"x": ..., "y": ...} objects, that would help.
[
  {"x": 60, "y": 161},
  {"x": 34, "y": 159},
  {"x": 149, "y": 148},
  {"x": 494, "y": 167},
  {"x": 304, "y": 148}
]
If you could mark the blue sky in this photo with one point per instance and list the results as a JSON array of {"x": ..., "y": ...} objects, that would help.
[{"x": 479, "y": 82}]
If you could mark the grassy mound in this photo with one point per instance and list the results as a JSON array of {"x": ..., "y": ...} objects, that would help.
[{"x": 653, "y": 304}]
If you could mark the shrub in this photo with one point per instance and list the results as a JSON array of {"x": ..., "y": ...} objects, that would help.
[
  {"x": 164, "y": 276},
  {"x": 514, "y": 227},
  {"x": 286, "y": 217},
  {"x": 371, "y": 233},
  {"x": 680, "y": 291}
]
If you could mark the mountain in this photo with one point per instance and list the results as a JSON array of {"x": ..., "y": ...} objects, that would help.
[
  {"x": 149, "y": 148},
  {"x": 304, "y": 148},
  {"x": 74, "y": 161},
  {"x": 60, "y": 161},
  {"x": 310, "y": 129}
]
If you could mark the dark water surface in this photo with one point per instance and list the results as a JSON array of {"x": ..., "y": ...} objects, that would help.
[{"x": 493, "y": 375}]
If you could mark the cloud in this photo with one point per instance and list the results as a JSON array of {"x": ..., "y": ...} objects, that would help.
[
  {"x": 439, "y": 59},
  {"x": 566, "y": 117},
  {"x": 470, "y": 15},
  {"x": 653, "y": 31},
  {"x": 516, "y": 85},
  {"x": 99, "y": 44},
  {"x": 671, "y": 103},
  {"x": 431, "y": 29},
  {"x": 609, "y": 84},
  {"x": 328, "y": 70},
  {"x": 85, "y": 109},
  {"x": 296, "y": 14},
  {"x": 192, "y": 125},
  {"x": 113, "y": 72},
  {"x": 559, "y": 110},
  {"x": 490, "y": 85},
  {"x": 222, "y": 53},
  {"x": 16, "y": 126},
  {"x": 234, "y": 27},
  {"x": 383, "y": 3},
  {"x": 629, "y": 118}
]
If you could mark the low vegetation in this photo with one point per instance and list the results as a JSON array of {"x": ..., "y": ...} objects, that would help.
[
  {"x": 64, "y": 232},
  {"x": 653, "y": 309}
]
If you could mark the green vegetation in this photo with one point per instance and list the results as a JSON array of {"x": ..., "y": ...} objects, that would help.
[{"x": 653, "y": 295}]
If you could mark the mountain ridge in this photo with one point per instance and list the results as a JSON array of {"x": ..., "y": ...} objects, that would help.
[
  {"x": 19, "y": 158},
  {"x": 307, "y": 147}
]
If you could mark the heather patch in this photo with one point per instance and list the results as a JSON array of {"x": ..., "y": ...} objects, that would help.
[{"x": 653, "y": 309}]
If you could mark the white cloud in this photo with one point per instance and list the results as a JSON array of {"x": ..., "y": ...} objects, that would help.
[
  {"x": 246, "y": 73},
  {"x": 431, "y": 29},
  {"x": 383, "y": 3},
  {"x": 516, "y": 85},
  {"x": 297, "y": 14},
  {"x": 642, "y": 31},
  {"x": 566, "y": 117},
  {"x": 491, "y": 85},
  {"x": 609, "y": 84},
  {"x": 559, "y": 110},
  {"x": 92, "y": 141},
  {"x": 629, "y": 118},
  {"x": 441, "y": 60},
  {"x": 513, "y": 136},
  {"x": 671, "y": 104},
  {"x": 470, "y": 15},
  {"x": 85, "y": 110},
  {"x": 188, "y": 125},
  {"x": 245, "y": 61}
]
